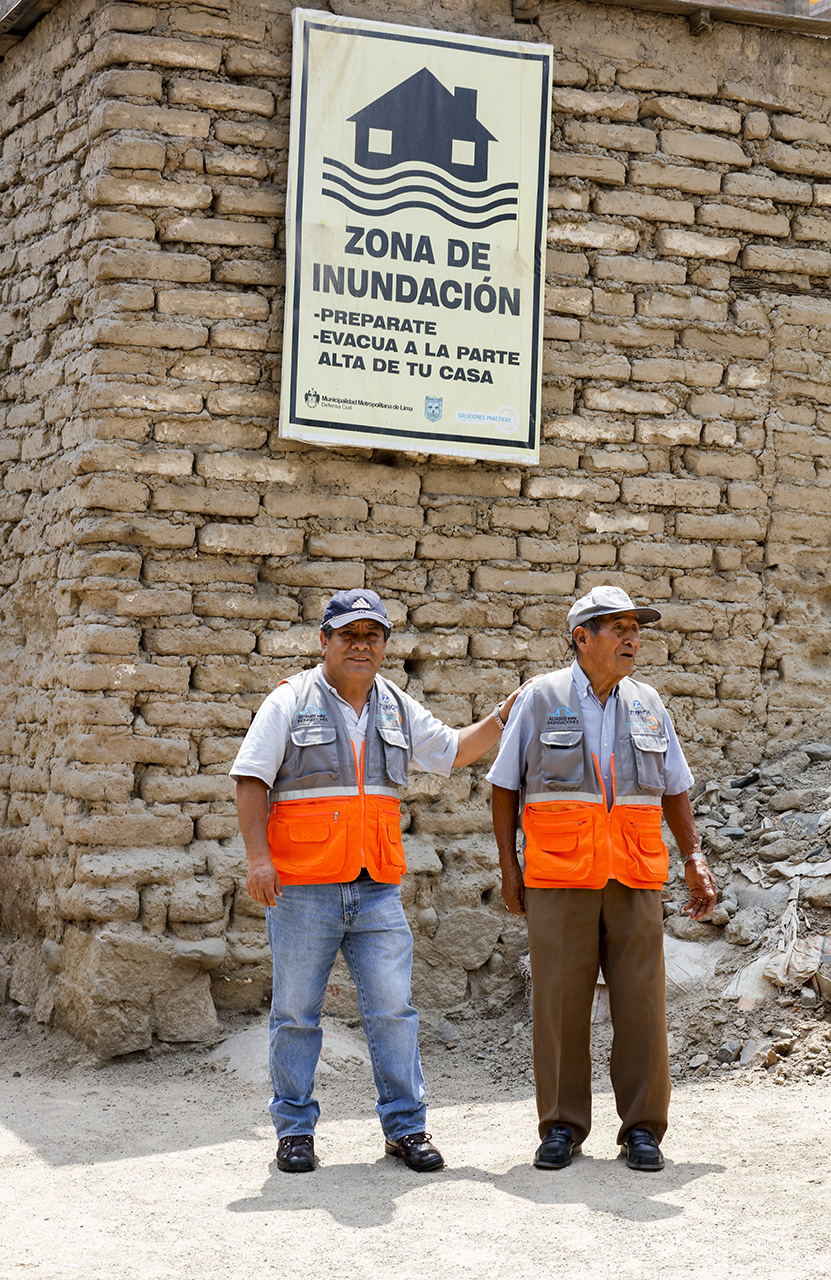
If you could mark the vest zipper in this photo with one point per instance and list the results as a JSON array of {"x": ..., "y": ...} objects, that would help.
[
  {"x": 610, "y": 852},
  {"x": 609, "y": 812},
  {"x": 359, "y": 774}
]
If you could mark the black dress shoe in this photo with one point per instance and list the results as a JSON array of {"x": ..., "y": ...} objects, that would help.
[
  {"x": 417, "y": 1152},
  {"x": 642, "y": 1151},
  {"x": 556, "y": 1149},
  {"x": 296, "y": 1153}
]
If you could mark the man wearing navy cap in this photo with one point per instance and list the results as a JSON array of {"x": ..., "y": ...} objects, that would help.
[
  {"x": 318, "y": 777},
  {"x": 593, "y": 756}
]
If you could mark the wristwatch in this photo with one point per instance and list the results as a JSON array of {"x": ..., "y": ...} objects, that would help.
[
  {"x": 698, "y": 856},
  {"x": 497, "y": 717}
]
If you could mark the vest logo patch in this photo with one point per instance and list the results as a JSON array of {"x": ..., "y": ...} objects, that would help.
[
  {"x": 640, "y": 718},
  {"x": 387, "y": 713},
  {"x": 562, "y": 716},
  {"x": 311, "y": 715}
]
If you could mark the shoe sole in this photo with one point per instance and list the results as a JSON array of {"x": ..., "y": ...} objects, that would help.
[
  {"x": 640, "y": 1167},
  {"x": 644, "y": 1168}
]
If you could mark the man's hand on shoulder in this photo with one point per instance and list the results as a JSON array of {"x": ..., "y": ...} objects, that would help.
[{"x": 507, "y": 705}]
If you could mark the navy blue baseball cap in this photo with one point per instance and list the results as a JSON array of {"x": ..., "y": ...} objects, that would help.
[{"x": 350, "y": 606}]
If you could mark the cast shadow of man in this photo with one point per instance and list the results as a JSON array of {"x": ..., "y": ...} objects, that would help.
[{"x": 365, "y": 1195}]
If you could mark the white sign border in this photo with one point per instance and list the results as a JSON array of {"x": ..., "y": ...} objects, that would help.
[{"x": 292, "y": 424}]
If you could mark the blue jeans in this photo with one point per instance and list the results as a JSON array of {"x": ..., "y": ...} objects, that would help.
[{"x": 366, "y": 921}]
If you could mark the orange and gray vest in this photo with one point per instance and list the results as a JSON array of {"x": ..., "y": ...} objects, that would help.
[
  {"x": 332, "y": 813},
  {"x": 573, "y": 839}
]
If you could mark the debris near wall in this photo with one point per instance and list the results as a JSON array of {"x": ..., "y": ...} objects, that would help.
[
  {"x": 767, "y": 838},
  {"x": 766, "y": 989}
]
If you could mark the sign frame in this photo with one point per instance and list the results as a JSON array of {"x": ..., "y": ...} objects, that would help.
[{"x": 505, "y": 434}]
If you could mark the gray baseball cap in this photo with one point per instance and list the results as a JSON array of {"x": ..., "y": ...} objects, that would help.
[{"x": 602, "y": 600}]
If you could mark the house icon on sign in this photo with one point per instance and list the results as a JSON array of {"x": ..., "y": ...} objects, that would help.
[{"x": 420, "y": 120}]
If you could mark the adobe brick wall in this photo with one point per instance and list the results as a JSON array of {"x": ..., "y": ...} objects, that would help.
[{"x": 166, "y": 555}]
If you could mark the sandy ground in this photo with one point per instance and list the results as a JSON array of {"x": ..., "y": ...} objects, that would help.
[{"x": 162, "y": 1168}]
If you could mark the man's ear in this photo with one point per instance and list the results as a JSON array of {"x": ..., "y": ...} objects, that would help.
[
  {"x": 578, "y": 635},
  {"x": 322, "y": 642}
]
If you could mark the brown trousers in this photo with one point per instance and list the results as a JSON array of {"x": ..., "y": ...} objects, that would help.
[{"x": 572, "y": 933}]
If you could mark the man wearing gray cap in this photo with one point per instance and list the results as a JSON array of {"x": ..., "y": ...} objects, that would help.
[
  {"x": 594, "y": 758},
  {"x": 318, "y": 777}
]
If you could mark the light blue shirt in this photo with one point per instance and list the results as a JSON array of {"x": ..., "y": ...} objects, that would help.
[{"x": 599, "y": 725}]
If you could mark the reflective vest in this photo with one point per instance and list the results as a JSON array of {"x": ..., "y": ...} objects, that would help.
[
  {"x": 572, "y": 838},
  {"x": 330, "y": 812}
]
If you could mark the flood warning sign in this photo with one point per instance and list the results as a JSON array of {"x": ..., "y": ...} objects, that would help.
[{"x": 416, "y": 239}]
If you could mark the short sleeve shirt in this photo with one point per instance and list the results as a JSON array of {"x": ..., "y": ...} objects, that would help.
[
  {"x": 434, "y": 745},
  {"x": 509, "y": 767}
]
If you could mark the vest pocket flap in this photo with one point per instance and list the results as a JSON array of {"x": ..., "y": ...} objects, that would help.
[
  {"x": 650, "y": 842},
  {"x": 308, "y": 832},
  {"x": 393, "y": 736},
  {"x": 646, "y": 832},
  {"x": 555, "y": 834},
  {"x": 312, "y": 735},
  {"x": 649, "y": 742},
  {"x": 561, "y": 738}
]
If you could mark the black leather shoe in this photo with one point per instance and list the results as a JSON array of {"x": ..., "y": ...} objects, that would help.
[
  {"x": 417, "y": 1152},
  {"x": 556, "y": 1149},
  {"x": 296, "y": 1153},
  {"x": 642, "y": 1151}
]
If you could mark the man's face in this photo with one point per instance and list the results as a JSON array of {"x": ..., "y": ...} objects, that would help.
[
  {"x": 610, "y": 655},
  {"x": 354, "y": 651}
]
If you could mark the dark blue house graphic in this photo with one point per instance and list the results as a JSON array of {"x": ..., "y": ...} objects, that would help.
[{"x": 420, "y": 120}]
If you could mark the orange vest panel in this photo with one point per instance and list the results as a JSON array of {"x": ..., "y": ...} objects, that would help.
[
  {"x": 328, "y": 839},
  {"x": 582, "y": 845}
]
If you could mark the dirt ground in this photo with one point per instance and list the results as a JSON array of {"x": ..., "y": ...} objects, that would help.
[{"x": 161, "y": 1167}]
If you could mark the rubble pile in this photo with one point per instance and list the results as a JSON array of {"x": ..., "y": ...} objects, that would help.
[{"x": 751, "y": 988}]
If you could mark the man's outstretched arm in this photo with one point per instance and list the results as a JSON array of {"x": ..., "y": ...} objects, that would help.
[{"x": 476, "y": 739}]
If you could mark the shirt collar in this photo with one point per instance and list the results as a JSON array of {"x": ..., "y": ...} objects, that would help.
[
  {"x": 583, "y": 684},
  {"x": 334, "y": 691}
]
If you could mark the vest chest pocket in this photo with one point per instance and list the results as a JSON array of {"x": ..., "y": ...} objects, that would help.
[
  {"x": 650, "y": 755},
  {"x": 317, "y": 753},
  {"x": 396, "y": 750},
  {"x": 561, "y": 757}
]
